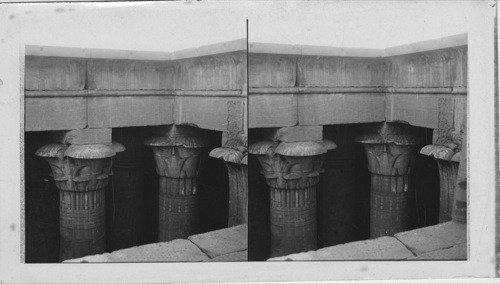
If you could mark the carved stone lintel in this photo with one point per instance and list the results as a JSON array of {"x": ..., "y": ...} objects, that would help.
[
  {"x": 81, "y": 173},
  {"x": 236, "y": 162},
  {"x": 447, "y": 161},
  {"x": 292, "y": 171},
  {"x": 178, "y": 153},
  {"x": 390, "y": 151}
]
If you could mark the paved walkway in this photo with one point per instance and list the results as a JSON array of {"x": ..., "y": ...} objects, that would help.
[
  {"x": 446, "y": 241},
  {"x": 228, "y": 244}
]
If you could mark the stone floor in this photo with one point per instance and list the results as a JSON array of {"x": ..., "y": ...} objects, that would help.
[
  {"x": 228, "y": 244},
  {"x": 446, "y": 241}
]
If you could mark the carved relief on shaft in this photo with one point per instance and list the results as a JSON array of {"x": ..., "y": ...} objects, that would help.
[
  {"x": 292, "y": 171},
  {"x": 389, "y": 148},
  {"x": 81, "y": 173},
  {"x": 178, "y": 154}
]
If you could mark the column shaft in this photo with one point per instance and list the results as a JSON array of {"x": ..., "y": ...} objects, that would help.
[
  {"x": 293, "y": 220},
  {"x": 238, "y": 193},
  {"x": 459, "y": 212},
  {"x": 447, "y": 179},
  {"x": 390, "y": 205},
  {"x": 236, "y": 161},
  {"x": 178, "y": 216},
  {"x": 82, "y": 223},
  {"x": 447, "y": 161}
]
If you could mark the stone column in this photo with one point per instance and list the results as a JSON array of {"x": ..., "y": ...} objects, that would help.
[
  {"x": 236, "y": 161},
  {"x": 292, "y": 171},
  {"x": 459, "y": 212},
  {"x": 178, "y": 151},
  {"x": 81, "y": 172},
  {"x": 389, "y": 148},
  {"x": 447, "y": 160}
]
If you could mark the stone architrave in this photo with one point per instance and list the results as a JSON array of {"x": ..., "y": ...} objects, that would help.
[
  {"x": 292, "y": 171},
  {"x": 390, "y": 151},
  {"x": 81, "y": 172},
  {"x": 178, "y": 152},
  {"x": 447, "y": 160},
  {"x": 236, "y": 160}
]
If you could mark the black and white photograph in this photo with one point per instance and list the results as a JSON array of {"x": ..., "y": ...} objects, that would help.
[
  {"x": 359, "y": 142},
  {"x": 137, "y": 155},
  {"x": 249, "y": 141}
]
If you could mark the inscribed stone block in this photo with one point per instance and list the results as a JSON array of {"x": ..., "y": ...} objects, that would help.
[
  {"x": 322, "y": 109},
  {"x": 127, "y": 111},
  {"x": 65, "y": 113}
]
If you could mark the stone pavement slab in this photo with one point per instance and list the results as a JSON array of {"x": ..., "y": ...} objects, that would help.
[
  {"x": 445, "y": 241},
  {"x": 234, "y": 256},
  {"x": 222, "y": 241},
  {"x": 384, "y": 248},
  {"x": 432, "y": 238},
  {"x": 176, "y": 250},
  {"x": 423, "y": 240},
  {"x": 457, "y": 252},
  {"x": 452, "y": 231}
]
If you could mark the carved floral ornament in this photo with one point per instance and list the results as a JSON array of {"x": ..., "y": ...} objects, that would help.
[
  {"x": 448, "y": 146},
  {"x": 389, "y": 148},
  {"x": 234, "y": 151},
  {"x": 80, "y": 167},
  {"x": 442, "y": 152},
  {"x": 291, "y": 165},
  {"x": 177, "y": 152}
]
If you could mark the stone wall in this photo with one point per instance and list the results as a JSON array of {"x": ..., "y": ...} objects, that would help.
[
  {"x": 75, "y": 93},
  {"x": 290, "y": 87}
]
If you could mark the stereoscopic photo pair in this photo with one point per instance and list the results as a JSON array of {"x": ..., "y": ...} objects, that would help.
[{"x": 227, "y": 141}]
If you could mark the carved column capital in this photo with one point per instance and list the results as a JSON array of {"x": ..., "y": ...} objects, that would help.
[
  {"x": 291, "y": 165},
  {"x": 178, "y": 152},
  {"x": 81, "y": 172},
  {"x": 389, "y": 148},
  {"x": 292, "y": 171}
]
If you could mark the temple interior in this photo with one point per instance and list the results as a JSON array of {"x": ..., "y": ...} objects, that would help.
[
  {"x": 355, "y": 141},
  {"x": 282, "y": 146},
  {"x": 136, "y": 107}
]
